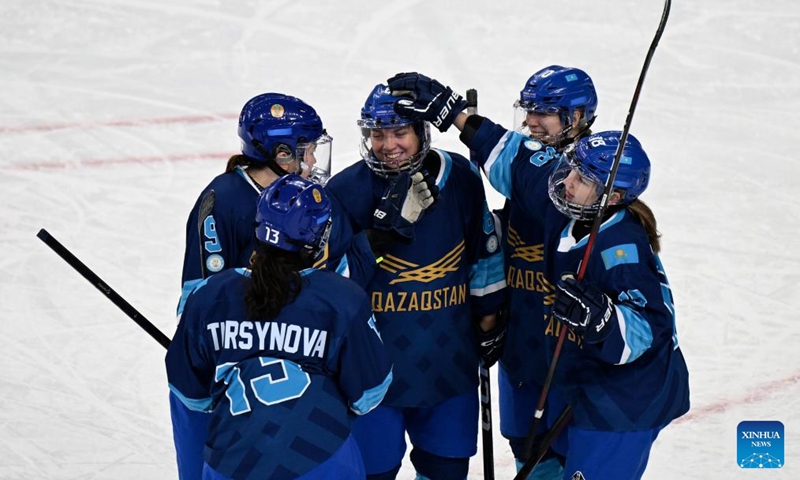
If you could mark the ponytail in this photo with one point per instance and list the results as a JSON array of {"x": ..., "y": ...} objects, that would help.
[{"x": 642, "y": 212}]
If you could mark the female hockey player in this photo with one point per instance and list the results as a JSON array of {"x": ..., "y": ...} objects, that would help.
[
  {"x": 621, "y": 368},
  {"x": 441, "y": 277},
  {"x": 281, "y": 355},
  {"x": 279, "y": 134},
  {"x": 556, "y": 107}
]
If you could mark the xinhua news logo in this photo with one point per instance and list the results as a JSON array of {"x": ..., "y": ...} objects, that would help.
[{"x": 759, "y": 444}]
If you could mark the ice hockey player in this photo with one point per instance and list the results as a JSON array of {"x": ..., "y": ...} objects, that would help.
[{"x": 282, "y": 356}]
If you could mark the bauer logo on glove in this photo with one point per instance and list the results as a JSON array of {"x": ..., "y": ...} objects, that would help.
[{"x": 584, "y": 308}]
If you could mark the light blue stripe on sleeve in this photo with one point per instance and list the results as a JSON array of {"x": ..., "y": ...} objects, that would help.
[
  {"x": 198, "y": 405},
  {"x": 189, "y": 286},
  {"x": 487, "y": 276},
  {"x": 619, "y": 255},
  {"x": 498, "y": 165},
  {"x": 343, "y": 268},
  {"x": 372, "y": 397},
  {"x": 636, "y": 333}
]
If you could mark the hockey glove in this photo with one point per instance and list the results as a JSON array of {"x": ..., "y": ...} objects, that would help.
[
  {"x": 491, "y": 343},
  {"x": 583, "y": 307},
  {"x": 403, "y": 203},
  {"x": 426, "y": 99}
]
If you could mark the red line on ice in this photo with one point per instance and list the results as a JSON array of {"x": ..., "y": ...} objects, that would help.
[
  {"x": 117, "y": 161},
  {"x": 120, "y": 123},
  {"x": 762, "y": 392}
]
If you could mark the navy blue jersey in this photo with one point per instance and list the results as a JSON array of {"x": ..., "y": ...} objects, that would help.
[
  {"x": 228, "y": 239},
  {"x": 425, "y": 293},
  {"x": 282, "y": 391},
  {"x": 529, "y": 291},
  {"x": 637, "y": 379},
  {"x": 226, "y": 234}
]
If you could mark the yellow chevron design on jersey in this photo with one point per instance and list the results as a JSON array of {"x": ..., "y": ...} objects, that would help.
[
  {"x": 323, "y": 259},
  {"x": 529, "y": 253},
  {"x": 411, "y": 272}
]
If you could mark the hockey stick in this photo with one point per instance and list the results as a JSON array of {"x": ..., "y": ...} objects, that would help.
[
  {"x": 206, "y": 207},
  {"x": 109, "y": 292},
  {"x": 485, "y": 385},
  {"x": 486, "y": 423},
  {"x": 607, "y": 189}
]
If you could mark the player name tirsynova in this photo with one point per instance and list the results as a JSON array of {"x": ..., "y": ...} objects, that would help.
[{"x": 276, "y": 336}]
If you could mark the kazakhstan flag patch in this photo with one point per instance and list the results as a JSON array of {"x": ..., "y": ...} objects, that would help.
[{"x": 619, "y": 255}]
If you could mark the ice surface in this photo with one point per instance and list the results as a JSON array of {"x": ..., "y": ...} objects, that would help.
[{"x": 114, "y": 114}]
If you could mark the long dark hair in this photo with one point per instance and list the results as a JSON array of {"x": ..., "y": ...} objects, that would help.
[
  {"x": 642, "y": 212},
  {"x": 276, "y": 281}
]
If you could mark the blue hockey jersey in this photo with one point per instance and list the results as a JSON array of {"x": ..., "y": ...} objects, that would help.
[
  {"x": 424, "y": 294},
  {"x": 281, "y": 392},
  {"x": 225, "y": 239},
  {"x": 637, "y": 379}
]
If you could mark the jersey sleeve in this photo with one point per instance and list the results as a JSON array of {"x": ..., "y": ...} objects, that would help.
[
  {"x": 487, "y": 283},
  {"x": 514, "y": 164},
  {"x": 365, "y": 369},
  {"x": 186, "y": 360},
  {"x": 643, "y": 308}
]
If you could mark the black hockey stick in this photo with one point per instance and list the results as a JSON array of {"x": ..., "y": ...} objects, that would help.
[
  {"x": 486, "y": 423},
  {"x": 109, "y": 292},
  {"x": 206, "y": 207},
  {"x": 485, "y": 385},
  {"x": 607, "y": 189}
]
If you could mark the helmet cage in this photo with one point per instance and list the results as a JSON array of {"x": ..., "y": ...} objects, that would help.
[
  {"x": 557, "y": 188},
  {"x": 378, "y": 113},
  {"x": 593, "y": 157}
]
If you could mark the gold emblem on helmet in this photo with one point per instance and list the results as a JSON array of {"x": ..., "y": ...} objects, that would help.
[
  {"x": 317, "y": 195},
  {"x": 276, "y": 110}
]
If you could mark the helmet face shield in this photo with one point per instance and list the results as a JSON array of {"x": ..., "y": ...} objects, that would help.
[
  {"x": 523, "y": 109},
  {"x": 316, "y": 158},
  {"x": 581, "y": 173},
  {"x": 556, "y": 90},
  {"x": 574, "y": 190}
]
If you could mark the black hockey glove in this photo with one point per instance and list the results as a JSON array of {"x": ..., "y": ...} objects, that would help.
[
  {"x": 403, "y": 202},
  {"x": 427, "y": 99},
  {"x": 491, "y": 343},
  {"x": 583, "y": 307}
]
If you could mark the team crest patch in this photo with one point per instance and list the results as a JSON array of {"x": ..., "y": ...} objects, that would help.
[
  {"x": 491, "y": 244},
  {"x": 214, "y": 263},
  {"x": 578, "y": 476},
  {"x": 533, "y": 145}
]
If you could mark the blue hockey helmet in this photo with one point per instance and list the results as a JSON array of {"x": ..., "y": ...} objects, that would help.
[
  {"x": 557, "y": 90},
  {"x": 279, "y": 128},
  {"x": 378, "y": 113},
  {"x": 591, "y": 159},
  {"x": 294, "y": 214}
]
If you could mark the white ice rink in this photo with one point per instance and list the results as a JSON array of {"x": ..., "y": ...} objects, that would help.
[{"x": 114, "y": 114}]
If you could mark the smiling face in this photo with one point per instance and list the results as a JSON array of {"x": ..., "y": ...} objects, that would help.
[
  {"x": 543, "y": 125},
  {"x": 393, "y": 147}
]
